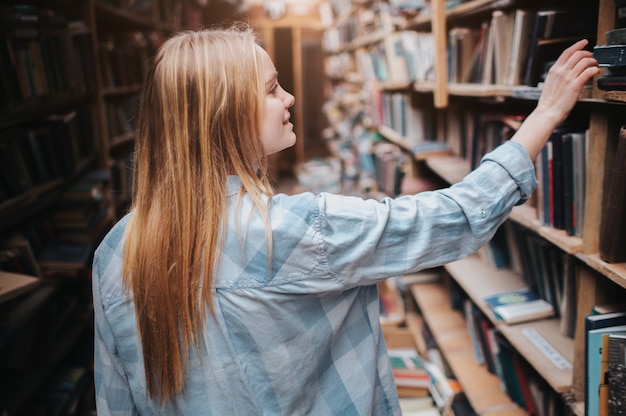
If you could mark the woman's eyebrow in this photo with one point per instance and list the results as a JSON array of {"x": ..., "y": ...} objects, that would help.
[{"x": 272, "y": 79}]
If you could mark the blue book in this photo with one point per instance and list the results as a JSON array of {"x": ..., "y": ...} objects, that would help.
[
  {"x": 595, "y": 327},
  {"x": 521, "y": 305}
]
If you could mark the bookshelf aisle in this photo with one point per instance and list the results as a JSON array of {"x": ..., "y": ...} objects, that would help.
[{"x": 458, "y": 78}]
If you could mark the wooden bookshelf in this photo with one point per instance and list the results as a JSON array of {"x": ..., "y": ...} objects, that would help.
[
  {"x": 478, "y": 280},
  {"x": 449, "y": 329},
  {"x": 53, "y": 134},
  {"x": 596, "y": 279}
]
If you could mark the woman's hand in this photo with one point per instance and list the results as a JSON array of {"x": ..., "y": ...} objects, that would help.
[
  {"x": 562, "y": 88},
  {"x": 565, "y": 81}
]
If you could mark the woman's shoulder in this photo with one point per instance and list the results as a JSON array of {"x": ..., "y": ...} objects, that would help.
[{"x": 107, "y": 264}]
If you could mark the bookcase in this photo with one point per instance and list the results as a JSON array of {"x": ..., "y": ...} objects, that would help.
[
  {"x": 69, "y": 80},
  {"x": 439, "y": 83}
]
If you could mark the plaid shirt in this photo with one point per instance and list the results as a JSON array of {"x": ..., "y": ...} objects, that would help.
[{"x": 304, "y": 339}]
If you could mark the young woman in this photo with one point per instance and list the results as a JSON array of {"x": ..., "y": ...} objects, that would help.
[{"x": 214, "y": 296}]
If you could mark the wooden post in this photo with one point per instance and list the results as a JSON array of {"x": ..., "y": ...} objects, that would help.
[{"x": 441, "y": 63}]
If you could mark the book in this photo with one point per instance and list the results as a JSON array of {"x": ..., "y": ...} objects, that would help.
[
  {"x": 610, "y": 55},
  {"x": 603, "y": 391},
  {"x": 554, "y": 30},
  {"x": 521, "y": 305},
  {"x": 612, "y": 82},
  {"x": 523, "y": 22},
  {"x": 616, "y": 36},
  {"x": 442, "y": 389},
  {"x": 398, "y": 70},
  {"x": 595, "y": 327},
  {"x": 409, "y": 372},
  {"x": 616, "y": 367},
  {"x": 612, "y": 244},
  {"x": 13, "y": 285},
  {"x": 418, "y": 406},
  {"x": 502, "y": 24}
]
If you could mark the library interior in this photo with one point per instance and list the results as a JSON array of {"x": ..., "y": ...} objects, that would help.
[{"x": 393, "y": 97}]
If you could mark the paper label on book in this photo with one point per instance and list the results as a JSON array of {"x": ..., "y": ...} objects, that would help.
[{"x": 546, "y": 348}]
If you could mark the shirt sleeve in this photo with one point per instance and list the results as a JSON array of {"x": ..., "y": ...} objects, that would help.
[
  {"x": 113, "y": 393},
  {"x": 366, "y": 241}
]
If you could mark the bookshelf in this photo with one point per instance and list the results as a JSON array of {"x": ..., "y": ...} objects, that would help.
[
  {"x": 464, "y": 113},
  {"x": 70, "y": 76}
]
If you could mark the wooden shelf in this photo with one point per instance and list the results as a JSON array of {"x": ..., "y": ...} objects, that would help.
[
  {"x": 479, "y": 90},
  {"x": 451, "y": 169},
  {"x": 483, "y": 389},
  {"x": 526, "y": 215},
  {"x": 478, "y": 280},
  {"x": 614, "y": 271}
]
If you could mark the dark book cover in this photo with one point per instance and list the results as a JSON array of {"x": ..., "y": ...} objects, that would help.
[
  {"x": 610, "y": 55},
  {"x": 556, "y": 175},
  {"x": 568, "y": 183},
  {"x": 554, "y": 30},
  {"x": 616, "y": 36},
  {"x": 612, "y": 82},
  {"x": 612, "y": 246}
]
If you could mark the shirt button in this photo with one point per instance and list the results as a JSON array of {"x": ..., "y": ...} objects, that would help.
[{"x": 483, "y": 213}]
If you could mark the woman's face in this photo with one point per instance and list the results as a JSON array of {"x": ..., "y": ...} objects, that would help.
[{"x": 277, "y": 130}]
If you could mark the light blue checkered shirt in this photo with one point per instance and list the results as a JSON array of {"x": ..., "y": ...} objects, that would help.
[{"x": 307, "y": 339}]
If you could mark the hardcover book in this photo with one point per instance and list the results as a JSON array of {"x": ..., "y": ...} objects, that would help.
[
  {"x": 617, "y": 375},
  {"x": 612, "y": 247},
  {"x": 595, "y": 327},
  {"x": 517, "y": 306},
  {"x": 408, "y": 368}
]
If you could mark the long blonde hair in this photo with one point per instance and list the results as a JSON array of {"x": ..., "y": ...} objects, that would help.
[{"x": 199, "y": 121}]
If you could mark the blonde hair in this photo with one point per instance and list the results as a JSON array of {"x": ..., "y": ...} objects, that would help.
[{"x": 199, "y": 121}]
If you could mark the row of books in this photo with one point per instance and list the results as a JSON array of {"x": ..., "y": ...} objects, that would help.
[
  {"x": 548, "y": 272},
  {"x": 516, "y": 47},
  {"x": 424, "y": 387},
  {"x": 124, "y": 60},
  {"x": 401, "y": 112},
  {"x": 401, "y": 58},
  {"x": 357, "y": 24},
  {"x": 518, "y": 379},
  {"x": 561, "y": 171},
  {"x": 61, "y": 239},
  {"x": 561, "y": 167},
  {"x": 52, "y": 149},
  {"x": 44, "y": 57},
  {"x": 121, "y": 116}
]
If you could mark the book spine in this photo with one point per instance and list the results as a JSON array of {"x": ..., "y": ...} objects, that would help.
[{"x": 612, "y": 245}]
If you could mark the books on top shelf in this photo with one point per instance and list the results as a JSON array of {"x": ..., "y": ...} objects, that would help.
[{"x": 521, "y": 305}]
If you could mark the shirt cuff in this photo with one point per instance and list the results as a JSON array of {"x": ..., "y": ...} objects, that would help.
[{"x": 513, "y": 158}]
